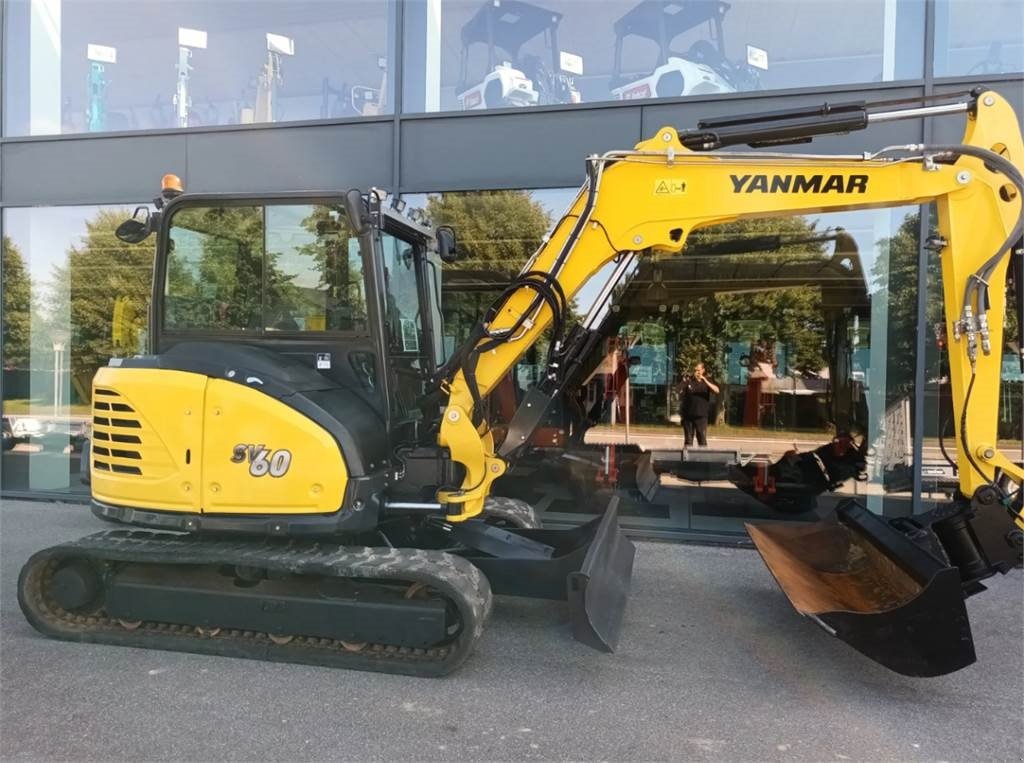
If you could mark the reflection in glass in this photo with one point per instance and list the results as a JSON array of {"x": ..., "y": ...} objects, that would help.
[
  {"x": 405, "y": 314},
  {"x": 279, "y": 268},
  {"x": 314, "y": 271},
  {"x": 978, "y": 38},
  {"x": 96, "y": 65},
  {"x": 74, "y": 296},
  {"x": 510, "y": 77},
  {"x": 702, "y": 68},
  {"x": 214, "y": 269},
  {"x": 403, "y": 310},
  {"x": 804, "y": 325},
  {"x": 474, "y": 54}
]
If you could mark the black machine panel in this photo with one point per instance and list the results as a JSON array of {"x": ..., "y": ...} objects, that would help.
[{"x": 346, "y": 413}]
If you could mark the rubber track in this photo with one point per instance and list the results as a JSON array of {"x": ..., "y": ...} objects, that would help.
[{"x": 455, "y": 578}]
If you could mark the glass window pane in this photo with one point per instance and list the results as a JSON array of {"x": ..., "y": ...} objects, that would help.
[
  {"x": 403, "y": 300},
  {"x": 75, "y": 66},
  {"x": 74, "y": 297},
  {"x": 805, "y": 326},
  {"x": 405, "y": 317},
  {"x": 314, "y": 278},
  {"x": 978, "y": 37},
  {"x": 468, "y": 54},
  {"x": 215, "y": 269},
  {"x": 275, "y": 268}
]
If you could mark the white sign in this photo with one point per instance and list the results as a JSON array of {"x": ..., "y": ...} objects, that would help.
[
  {"x": 642, "y": 374},
  {"x": 103, "y": 54},
  {"x": 323, "y": 361},
  {"x": 570, "y": 62},
  {"x": 757, "y": 58},
  {"x": 410, "y": 335},
  {"x": 192, "y": 38},
  {"x": 278, "y": 43}
]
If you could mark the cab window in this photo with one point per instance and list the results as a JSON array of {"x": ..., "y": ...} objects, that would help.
[
  {"x": 404, "y": 320},
  {"x": 262, "y": 269},
  {"x": 403, "y": 299}
]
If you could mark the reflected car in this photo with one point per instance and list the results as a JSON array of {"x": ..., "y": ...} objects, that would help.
[
  {"x": 24, "y": 428},
  {"x": 47, "y": 436},
  {"x": 8, "y": 435}
]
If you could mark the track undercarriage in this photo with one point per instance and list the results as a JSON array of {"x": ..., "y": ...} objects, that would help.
[{"x": 404, "y": 610}]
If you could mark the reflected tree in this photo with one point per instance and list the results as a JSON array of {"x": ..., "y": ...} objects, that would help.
[
  {"x": 215, "y": 268},
  {"x": 331, "y": 245},
  {"x": 106, "y": 299},
  {"x": 497, "y": 230},
  {"x": 792, "y": 316},
  {"x": 17, "y": 308},
  {"x": 895, "y": 271}
]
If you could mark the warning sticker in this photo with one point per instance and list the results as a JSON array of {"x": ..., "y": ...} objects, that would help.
[
  {"x": 669, "y": 187},
  {"x": 323, "y": 361}
]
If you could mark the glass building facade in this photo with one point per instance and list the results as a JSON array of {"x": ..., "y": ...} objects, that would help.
[{"x": 481, "y": 113}]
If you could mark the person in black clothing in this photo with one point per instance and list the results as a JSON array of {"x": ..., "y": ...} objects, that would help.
[{"x": 696, "y": 405}]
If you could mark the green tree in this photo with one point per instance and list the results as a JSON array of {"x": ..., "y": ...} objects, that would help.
[{"x": 17, "y": 307}]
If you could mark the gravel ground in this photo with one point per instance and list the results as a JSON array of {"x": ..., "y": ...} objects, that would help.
[{"x": 714, "y": 665}]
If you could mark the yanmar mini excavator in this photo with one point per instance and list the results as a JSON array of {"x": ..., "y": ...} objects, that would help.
[{"x": 314, "y": 481}]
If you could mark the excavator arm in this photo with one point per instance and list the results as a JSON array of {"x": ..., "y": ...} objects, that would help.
[
  {"x": 650, "y": 199},
  {"x": 893, "y": 588}
]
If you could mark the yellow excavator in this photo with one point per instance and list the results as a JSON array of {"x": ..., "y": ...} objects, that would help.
[{"x": 313, "y": 481}]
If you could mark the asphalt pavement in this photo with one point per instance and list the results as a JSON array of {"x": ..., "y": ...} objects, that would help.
[{"x": 714, "y": 665}]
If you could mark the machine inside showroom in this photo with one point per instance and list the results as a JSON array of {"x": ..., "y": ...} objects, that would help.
[{"x": 315, "y": 480}]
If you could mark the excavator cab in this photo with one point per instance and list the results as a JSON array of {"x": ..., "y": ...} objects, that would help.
[{"x": 291, "y": 402}]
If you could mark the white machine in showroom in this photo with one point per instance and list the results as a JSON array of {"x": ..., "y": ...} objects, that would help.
[
  {"x": 703, "y": 69},
  {"x": 515, "y": 78}
]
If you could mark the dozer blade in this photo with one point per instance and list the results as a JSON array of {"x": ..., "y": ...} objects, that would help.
[
  {"x": 871, "y": 586},
  {"x": 598, "y": 592},
  {"x": 589, "y": 566}
]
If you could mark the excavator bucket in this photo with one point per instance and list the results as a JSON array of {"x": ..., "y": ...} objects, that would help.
[
  {"x": 588, "y": 566},
  {"x": 868, "y": 584}
]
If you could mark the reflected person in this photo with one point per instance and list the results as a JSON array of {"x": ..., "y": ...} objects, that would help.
[{"x": 696, "y": 405}]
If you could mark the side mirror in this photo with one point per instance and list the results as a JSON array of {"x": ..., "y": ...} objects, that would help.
[
  {"x": 358, "y": 215},
  {"x": 446, "y": 244},
  {"x": 136, "y": 228}
]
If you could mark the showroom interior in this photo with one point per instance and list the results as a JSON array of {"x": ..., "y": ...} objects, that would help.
[{"x": 817, "y": 329}]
